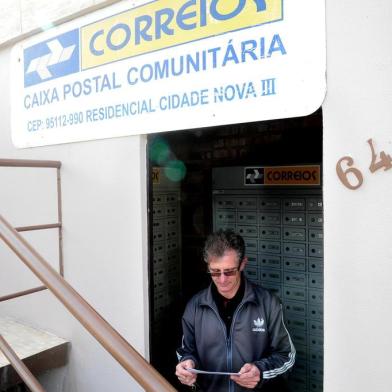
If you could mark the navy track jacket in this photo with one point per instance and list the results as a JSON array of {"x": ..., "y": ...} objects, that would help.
[{"x": 258, "y": 335}]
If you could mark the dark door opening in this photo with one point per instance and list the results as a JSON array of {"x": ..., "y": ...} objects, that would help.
[{"x": 191, "y": 172}]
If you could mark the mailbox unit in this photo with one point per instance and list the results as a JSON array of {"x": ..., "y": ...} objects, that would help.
[{"x": 283, "y": 231}]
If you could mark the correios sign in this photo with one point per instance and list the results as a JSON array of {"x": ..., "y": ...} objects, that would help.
[{"x": 164, "y": 65}]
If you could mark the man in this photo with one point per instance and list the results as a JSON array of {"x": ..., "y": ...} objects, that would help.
[{"x": 233, "y": 326}]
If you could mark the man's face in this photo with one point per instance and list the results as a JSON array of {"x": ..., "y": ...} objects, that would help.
[{"x": 227, "y": 285}]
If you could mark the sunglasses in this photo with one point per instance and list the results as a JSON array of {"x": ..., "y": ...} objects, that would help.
[{"x": 229, "y": 272}]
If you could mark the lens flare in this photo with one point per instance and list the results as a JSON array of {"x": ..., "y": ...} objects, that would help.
[
  {"x": 159, "y": 151},
  {"x": 175, "y": 170}
]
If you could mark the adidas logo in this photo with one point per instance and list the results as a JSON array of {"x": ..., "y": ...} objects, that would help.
[{"x": 258, "y": 325}]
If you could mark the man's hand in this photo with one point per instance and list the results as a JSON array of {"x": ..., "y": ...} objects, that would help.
[
  {"x": 186, "y": 377},
  {"x": 249, "y": 376}
]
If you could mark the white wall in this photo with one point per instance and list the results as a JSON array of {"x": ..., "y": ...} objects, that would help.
[
  {"x": 22, "y": 17},
  {"x": 104, "y": 218},
  {"x": 105, "y": 245},
  {"x": 358, "y": 246}
]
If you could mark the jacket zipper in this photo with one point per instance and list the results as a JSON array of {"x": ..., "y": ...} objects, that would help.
[
  {"x": 230, "y": 344},
  {"x": 227, "y": 340}
]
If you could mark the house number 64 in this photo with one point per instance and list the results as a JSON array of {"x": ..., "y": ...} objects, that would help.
[{"x": 351, "y": 177}]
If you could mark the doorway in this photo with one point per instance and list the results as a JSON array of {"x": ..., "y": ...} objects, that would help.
[{"x": 197, "y": 186}]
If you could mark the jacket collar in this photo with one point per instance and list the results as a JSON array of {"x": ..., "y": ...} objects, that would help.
[{"x": 249, "y": 294}]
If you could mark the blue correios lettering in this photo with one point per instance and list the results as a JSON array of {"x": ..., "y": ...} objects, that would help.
[
  {"x": 214, "y": 52},
  {"x": 245, "y": 90},
  {"x": 105, "y": 83},
  {"x": 250, "y": 91},
  {"x": 43, "y": 97},
  {"x": 203, "y": 13},
  {"x": 133, "y": 108},
  {"x": 110, "y": 84},
  {"x": 141, "y": 32},
  {"x": 237, "y": 91},
  {"x": 92, "y": 47},
  {"x": 175, "y": 101},
  {"x": 230, "y": 54},
  {"x": 162, "y": 69},
  {"x": 87, "y": 86},
  {"x": 218, "y": 16},
  {"x": 163, "y": 104},
  {"x": 146, "y": 73},
  {"x": 119, "y": 26},
  {"x": 101, "y": 114},
  {"x": 260, "y": 5},
  {"x": 182, "y": 16},
  {"x": 193, "y": 63},
  {"x": 163, "y": 26},
  {"x": 180, "y": 69},
  {"x": 130, "y": 80},
  {"x": 204, "y": 97},
  {"x": 262, "y": 47},
  {"x": 89, "y": 115},
  {"x": 268, "y": 87},
  {"x": 276, "y": 46},
  {"x": 248, "y": 47},
  {"x": 146, "y": 107},
  {"x": 196, "y": 97},
  {"x": 34, "y": 125},
  {"x": 66, "y": 90}
]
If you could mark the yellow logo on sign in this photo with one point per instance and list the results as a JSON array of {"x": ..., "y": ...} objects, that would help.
[{"x": 163, "y": 23}]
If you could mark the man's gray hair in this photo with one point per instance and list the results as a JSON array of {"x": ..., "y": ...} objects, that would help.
[{"x": 221, "y": 241}]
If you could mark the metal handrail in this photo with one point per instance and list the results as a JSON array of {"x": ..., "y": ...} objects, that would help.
[
  {"x": 29, "y": 163},
  {"x": 20, "y": 368},
  {"x": 22, "y": 293},
  {"x": 110, "y": 339},
  {"x": 39, "y": 227},
  {"x": 34, "y": 163}
]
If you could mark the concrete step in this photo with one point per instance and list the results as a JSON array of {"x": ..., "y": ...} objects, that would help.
[{"x": 39, "y": 350}]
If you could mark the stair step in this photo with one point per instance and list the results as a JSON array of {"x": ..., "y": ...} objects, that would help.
[{"x": 39, "y": 350}]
